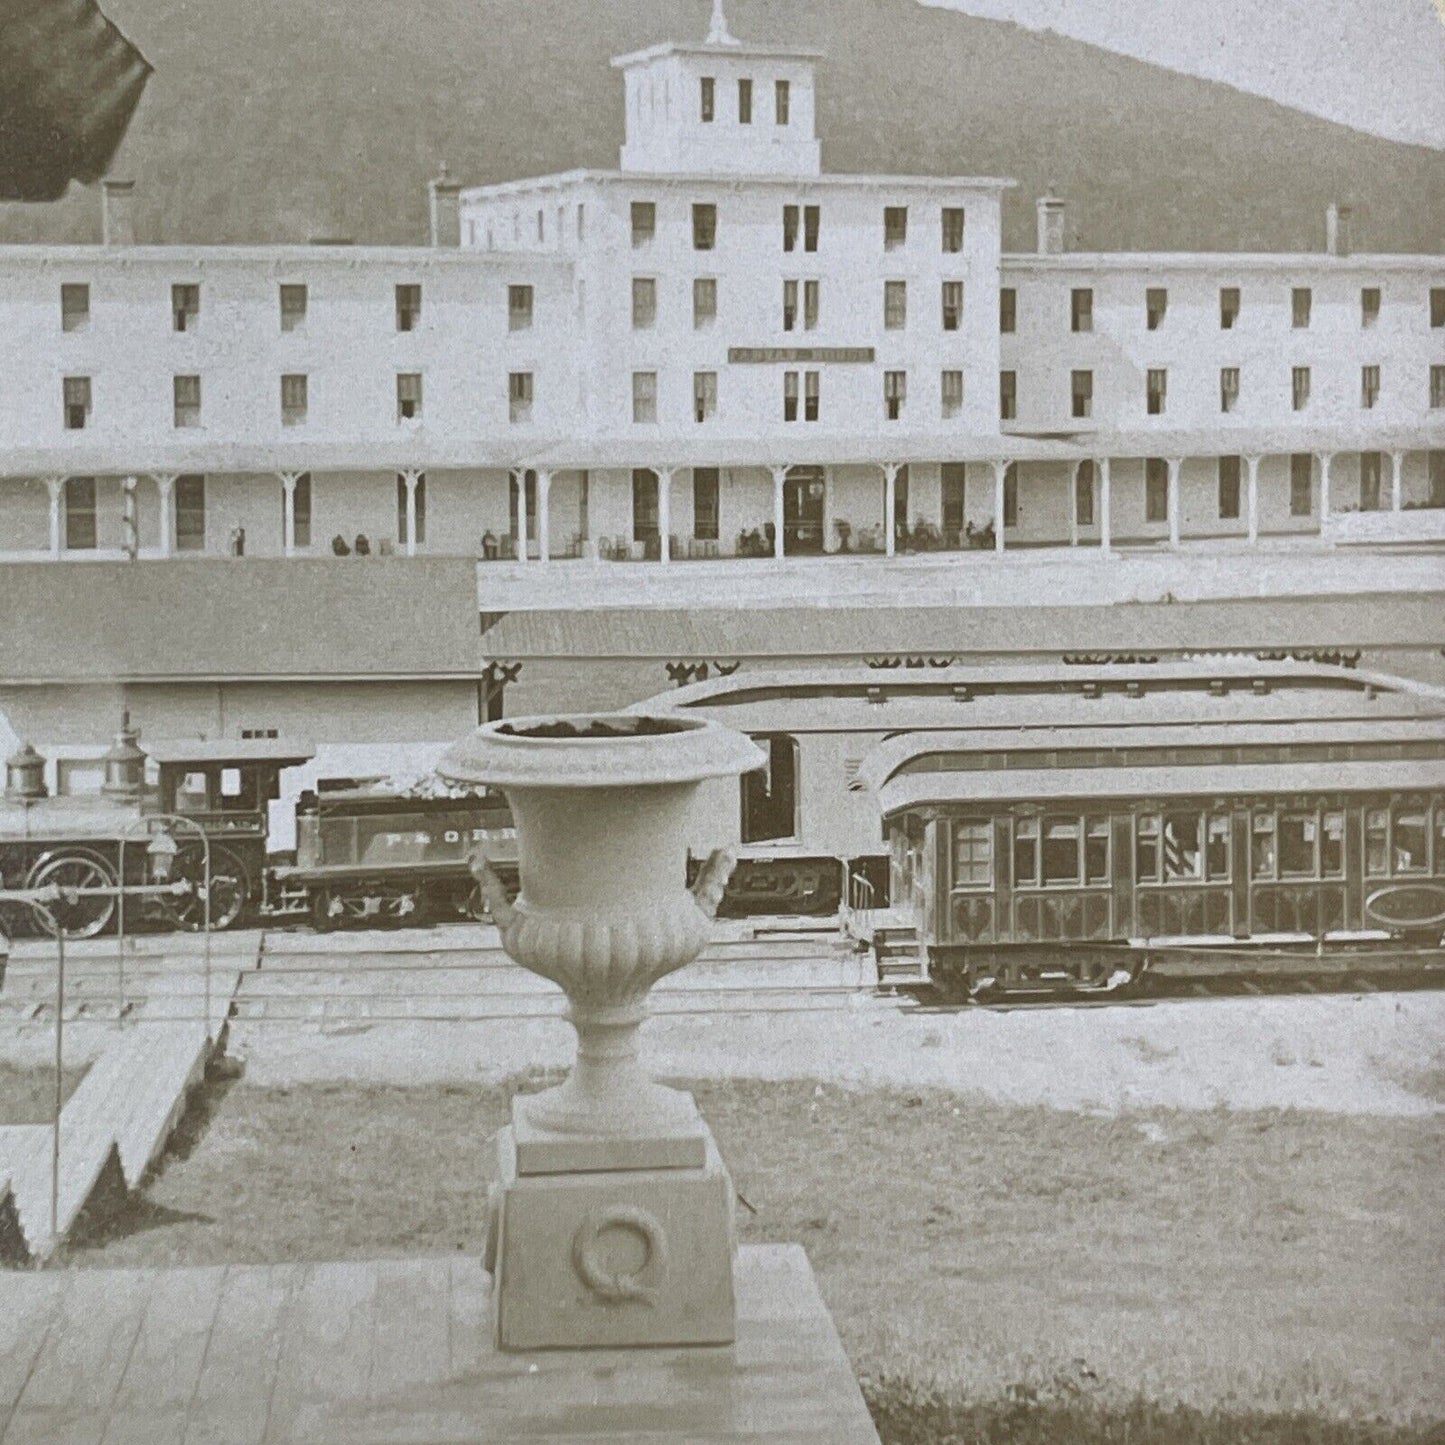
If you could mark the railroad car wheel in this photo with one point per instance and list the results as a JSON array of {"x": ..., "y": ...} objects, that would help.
[
  {"x": 75, "y": 868},
  {"x": 325, "y": 910},
  {"x": 230, "y": 888}
]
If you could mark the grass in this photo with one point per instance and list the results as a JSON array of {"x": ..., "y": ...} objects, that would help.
[
  {"x": 27, "y": 1095},
  {"x": 996, "y": 1273}
]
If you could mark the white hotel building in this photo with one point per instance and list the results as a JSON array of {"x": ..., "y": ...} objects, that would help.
[{"x": 716, "y": 349}]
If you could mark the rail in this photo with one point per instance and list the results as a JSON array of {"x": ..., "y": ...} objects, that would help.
[{"x": 860, "y": 894}]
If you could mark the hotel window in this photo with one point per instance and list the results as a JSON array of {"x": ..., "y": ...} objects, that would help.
[
  {"x": 402, "y": 534},
  {"x": 790, "y": 304},
  {"x": 77, "y": 402},
  {"x": 519, "y": 397},
  {"x": 644, "y": 302},
  {"x": 519, "y": 308},
  {"x": 293, "y": 307},
  {"x": 952, "y": 305},
  {"x": 810, "y": 396},
  {"x": 790, "y": 396},
  {"x": 300, "y": 510},
  {"x": 74, "y": 306},
  {"x": 1437, "y": 307},
  {"x": 704, "y": 394},
  {"x": 1156, "y": 489},
  {"x": 80, "y": 514},
  {"x": 811, "y": 218},
  {"x": 952, "y": 394},
  {"x": 1369, "y": 305},
  {"x": 1300, "y": 301},
  {"x": 810, "y": 305},
  {"x": 790, "y": 228},
  {"x": 1437, "y": 387},
  {"x": 1156, "y": 303},
  {"x": 745, "y": 102},
  {"x": 1011, "y": 495},
  {"x": 895, "y": 305},
  {"x": 644, "y": 505},
  {"x": 186, "y": 395},
  {"x": 185, "y": 307},
  {"x": 408, "y": 307},
  {"x": 1008, "y": 310},
  {"x": 782, "y": 102},
  {"x": 1228, "y": 488},
  {"x": 895, "y": 393},
  {"x": 1300, "y": 385},
  {"x": 1084, "y": 494},
  {"x": 704, "y": 301},
  {"x": 1008, "y": 395},
  {"x": 1370, "y": 469},
  {"x": 190, "y": 514},
  {"x": 408, "y": 395},
  {"x": 644, "y": 396},
  {"x": 895, "y": 227},
  {"x": 1228, "y": 307},
  {"x": 1081, "y": 309},
  {"x": 704, "y": 227},
  {"x": 644, "y": 222},
  {"x": 707, "y": 98},
  {"x": 1369, "y": 386},
  {"x": 705, "y": 492},
  {"x": 293, "y": 400},
  {"x": 1081, "y": 385},
  {"x": 1301, "y": 501},
  {"x": 1156, "y": 385},
  {"x": 1228, "y": 388},
  {"x": 952, "y": 224}
]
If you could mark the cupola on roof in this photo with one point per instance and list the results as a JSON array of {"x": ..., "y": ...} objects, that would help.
[{"x": 720, "y": 106}]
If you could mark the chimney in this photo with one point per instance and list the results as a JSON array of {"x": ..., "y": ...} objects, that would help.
[
  {"x": 117, "y": 219},
  {"x": 1051, "y": 226},
  {"x": 1338, "y": 240},
  {"x": 446, "y": 210}
]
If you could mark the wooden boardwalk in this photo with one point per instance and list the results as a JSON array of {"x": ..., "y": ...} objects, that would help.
[{"x": 392, "y": 1351}]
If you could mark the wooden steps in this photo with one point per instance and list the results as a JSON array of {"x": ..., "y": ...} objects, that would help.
[{"x": 898, "y": 955}]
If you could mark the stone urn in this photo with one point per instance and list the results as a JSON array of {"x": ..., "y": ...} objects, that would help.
[{"x": 611, "y": 1214}]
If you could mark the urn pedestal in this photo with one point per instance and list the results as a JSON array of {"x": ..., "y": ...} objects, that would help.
[{"x": 611, "y": 1210}]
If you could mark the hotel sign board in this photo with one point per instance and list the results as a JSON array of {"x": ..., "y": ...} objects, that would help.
[{"x": 800, "y": 353}]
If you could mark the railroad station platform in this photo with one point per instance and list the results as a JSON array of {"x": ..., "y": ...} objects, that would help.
[{"x": 398, "y": 1350}]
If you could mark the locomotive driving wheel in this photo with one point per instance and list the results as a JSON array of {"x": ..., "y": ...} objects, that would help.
[
  {"x": 230, "y": 888},
  {"x": 75, "y": 868}
]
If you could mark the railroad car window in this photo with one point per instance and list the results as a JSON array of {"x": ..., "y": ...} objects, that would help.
[
  {"x": 1377, "y": 842},
  {"x": 973, "y": 853},
  {"x": 770, "y": 796},
  {"x": 1262, "y": 857},
  {"x": 1409, "y": 836},
  {"x": 1096, "y": 851},
  {"x": 1026, "y": 852},
  {"x": 1297, "y": 839},
  {"x": 1061, "y": 850},
  {"x": 193, "y": 794},
  {"x": 1439, "y": 837},
  {"x": 1146, "y": 849},
  {"x": 1332, "y": 845},
  {"x": 1216, "y": 853},
  {"x": 1183, "y": 857}
]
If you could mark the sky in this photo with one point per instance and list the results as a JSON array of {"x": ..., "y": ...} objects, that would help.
[{"x": 1377, "y": 65}]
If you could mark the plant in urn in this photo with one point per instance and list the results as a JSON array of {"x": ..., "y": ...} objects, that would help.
[{"x": 611, "y": 1215}]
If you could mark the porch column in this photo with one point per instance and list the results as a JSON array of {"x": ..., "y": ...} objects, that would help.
[
  {"x": 409, "y": 478},
  {"x": 56, "y": 488},
  {"x": 1325, "y": 459},
  {"x": 1106, "y": 520},
  {"x": 1174, "y": 464},
  {"x": 1397, "y": 480},
  {"x": 130, "y": 528},
  {"x": 1074, "y": 503},
  {"x": 519, "y": 479},
  {"x": 544, "y": 516},
  {"x": 1000, "y": 475},
  {"x": 165, "y": 481},
  {"x": 288, "y": 512},
  {"x": 1251, "y": 504},
  {"x": 890, "y": 503},
  {"x": 664, "y": 514},
  {"x": 780, "y": 475}
]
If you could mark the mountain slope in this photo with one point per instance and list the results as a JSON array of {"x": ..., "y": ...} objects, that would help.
[{"x": 284, "y": 119}]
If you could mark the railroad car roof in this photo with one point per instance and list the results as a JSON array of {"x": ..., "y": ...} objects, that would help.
[
  {"x": 287, "y": 752},
  {"x": 1045, "y": 785}
]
